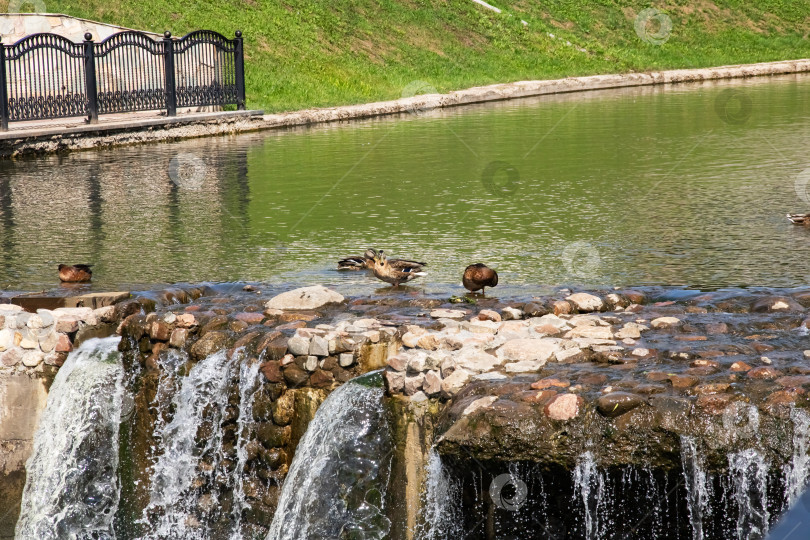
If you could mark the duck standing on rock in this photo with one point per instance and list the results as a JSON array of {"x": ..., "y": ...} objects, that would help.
[
  {"x": 478, "y": 276},
  {"x": 76, "y": 273},
  {"x": 395, "y": 271}
]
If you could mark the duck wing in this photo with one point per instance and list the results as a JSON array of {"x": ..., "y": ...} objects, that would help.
[
  {"x": 405, "y": 265},
  {"x": 799, "y": 219},
  {"x": 354, "y": 262}
]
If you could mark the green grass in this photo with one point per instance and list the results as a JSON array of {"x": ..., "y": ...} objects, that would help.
[{"x": 317, "y": 53}]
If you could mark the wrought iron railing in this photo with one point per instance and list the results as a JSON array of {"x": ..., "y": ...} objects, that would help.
[{"x": 46, "y": 76}]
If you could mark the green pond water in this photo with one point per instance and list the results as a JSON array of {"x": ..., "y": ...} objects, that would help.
[{"x": 680, "y": 186}]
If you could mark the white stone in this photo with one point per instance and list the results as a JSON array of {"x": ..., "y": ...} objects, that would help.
[
  {"x": 629, "y": 332},
  {"x": 448, "y": 314},
  {"x": 47, "y": 343},
  {"x": 477, "y": 361},
  {"x": 566, "y": 354},
  {"x": 511, "y": 314},
  {"x": 451, "y": 384},
  {"x": 489, "y": 376},
  {"x": 318, "y": 346},
  {"x": 640, "y": 351},
  {"x": 594, "y": 332},
  {"x": 6, "y": 339},
  {"x": 586, "y": 302},
  {"x": 298, "y": 345},
  {"x": 519, "y": 350},
  {"x": 553, "y": 320},
  {"x": 432, "y": 385},
  {"x": 483, "y": 327},
  {"x": 346, "y": 359},
  {"x": 525, "y": 366},
  {"x": 414, "y": 384},
  {"x": 305, "y": 298},
  {"x": 410, "y": 339},
  {"x": 9, "y": 308},
  {"x": 169, "y": 318},
  {"x": 107, "y": 314},
  {"x": 663, "y": 322},
  {"x": 311, "y": 363},
  {"x": 480, "y": 403},
  {"x": 33, "y": 358}
]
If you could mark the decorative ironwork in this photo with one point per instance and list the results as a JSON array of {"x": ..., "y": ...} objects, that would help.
[{"x": 47, "y": 76}]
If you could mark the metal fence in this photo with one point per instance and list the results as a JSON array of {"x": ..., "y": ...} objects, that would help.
[{"x": 46, "y": 76}]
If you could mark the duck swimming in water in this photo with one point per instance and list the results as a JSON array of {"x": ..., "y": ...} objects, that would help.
[
  {"x": 478, "y": 276},
  {"x": 77, "y": 273},
  {"x": 366, "y": 261},
  {"x": 799, "y": 219},
  {"x": 395, "y": 271}
]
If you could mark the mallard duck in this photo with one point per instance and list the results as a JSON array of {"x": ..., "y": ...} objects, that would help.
[
  {"x": 77, "y": 273},
  {"x": 478, "y": 276},
  {"x": 395, "y": 271},
  {"x": 799, "y": 219},
  {"x": 366, "y": 261}
]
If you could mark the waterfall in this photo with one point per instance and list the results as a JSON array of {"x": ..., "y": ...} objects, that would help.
[
  {"x": 698, "y": 487},
  {"x": 589, "y": 486},
  {"x": 796, "y": 472},
  {"x": 749, "y": 476},
  {"x": 72, "y": 489},
  {"x": 249, "y": 382},
  {"x": 440, "y": 516},
  {"x": 338, "y": 478},
  {"x": 192, "y": 451}
]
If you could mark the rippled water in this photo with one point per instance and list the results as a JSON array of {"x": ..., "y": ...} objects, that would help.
[{"x": 621, "y": 187}]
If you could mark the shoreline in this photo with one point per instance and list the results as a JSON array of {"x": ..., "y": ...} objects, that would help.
[{"x": 39, "y": 139}]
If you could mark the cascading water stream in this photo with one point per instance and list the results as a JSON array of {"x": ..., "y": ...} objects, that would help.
[
  {"x": 589, "y": 486},
  {"x": 338, "y": 478},
  {"x": 439, "y": 513},
  {"x": 72, "y": 488},
  {"x": 749, "y": 476},
  {"x": 797, "y": 470},
  {"x": 698, "y": 487},
  {"x": 189, "y": 460},
  {"x": 249, "y": 382}
]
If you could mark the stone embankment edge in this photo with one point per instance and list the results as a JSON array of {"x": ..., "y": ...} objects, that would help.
[{"x": 83, "y": 137}]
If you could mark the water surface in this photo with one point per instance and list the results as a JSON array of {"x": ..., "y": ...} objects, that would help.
[{"x": 686, "y": 185}]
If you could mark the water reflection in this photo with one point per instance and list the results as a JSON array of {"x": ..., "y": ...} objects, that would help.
[{"x": 623, "y": 187}]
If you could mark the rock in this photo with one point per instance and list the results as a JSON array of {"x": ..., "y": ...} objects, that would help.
[
  {"x": 311, "y": 363},
  {"x": 490, "y": 376},
  {"x": 454, "y": 382},
  {"x": 432, "y": 385},
  {"x": 634, "y": 297},
  {"x": 739, "y": 366},
  {"x": 628, "y": 332},
  {"x": 535, "y": 309},
  {"x": 414, "y": 384},
  {"x": 55, "y": 359},
  {"x": 775, "y": 303},
  {"x": 298, "y": 345},
  {"x": 6, "y": 339},
  {"x": 428, "y": 342},
  {"x": 321, "y": 379},
  {"x": 160, "y": 331},
  {"x": 483, "y": 327},
  {"x": 518, "y": 350},
  {"x": 571, "y": 355},
  {"x": 178, "y": 338},
  {"x": 318, "y": 346},
  {"x": 346, "y": 359},
  {"x": 25, "y": 339},
  {"x": 186, "y": 320},
  {"x": 717, "y": 328},
  {"x": 42, "y": 319},
  {"x": 511, "y": 314},
  {"x": 549, "y": 382},
  {"x": 271, "y": 371},
  {"x": 32, "y": 358},
  {"x": 564, "y": 407},
  {"x": 11, "y": 357},
  {"x": 480, "y": 403},
  {"x": 477, "y": 361},
  {"x": 764, "y": 372},
  {"x": 394, "y": 381},
  {"x": 67, "y": 324},
  {"x": 209, "y": 344},
  {"x": 411, "y": 339},
  {"x": 561, "y": 307},
  {"x": 448, "y": 314},
  {"x": 665, "y": 322},
  {"x": 524, "y": 366},
  {"x": 586, "y": 302},
  {"x": 617, "y": 403},
  {"x": 641, "y": 352},
  {"x": 714, "y": 403},
  {"x": 398, "y": 362},
  {"x": 304, "y": 298},
  {"x": 49, "y": 341},
  {"x": 683, "y": 381},
  {"x": 294, "y": 376},
  {"x": 594, "y": 332},
  {"x": 489, "y": 315}
]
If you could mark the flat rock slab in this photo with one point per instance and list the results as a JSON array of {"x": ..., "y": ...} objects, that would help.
[{"x": 305, "y": 298}]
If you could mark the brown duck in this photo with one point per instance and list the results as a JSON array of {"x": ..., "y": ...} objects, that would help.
[
  {"x": 77, "y": 273},
  {"x": 799, "y": 219},
  {"x": 478, "y": 276},
  {"x": 366, "y": 261},
  {"x": 395, "y": 271}
]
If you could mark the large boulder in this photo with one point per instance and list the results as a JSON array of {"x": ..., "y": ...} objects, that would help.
[{"x": 305, "y": 298}]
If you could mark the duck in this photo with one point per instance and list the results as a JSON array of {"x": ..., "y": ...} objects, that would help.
[
  {"x": 478, "y": 276},
  {"x": 395, "y": 271},
  {"x": 366, "y": 262},
  {"x": 76, "y": 273},
  {"x": 799, "y": 219}
]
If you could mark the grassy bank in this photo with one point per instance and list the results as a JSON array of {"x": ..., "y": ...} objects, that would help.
[{"x": 304, "y": 53}]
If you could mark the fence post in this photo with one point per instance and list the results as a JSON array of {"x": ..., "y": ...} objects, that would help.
[
  {"x": 239, "y": 71},
  {"x": 91, "y": 88},
  {"x": 3, "y": 90},
  {"x": 168, "y": 67}
]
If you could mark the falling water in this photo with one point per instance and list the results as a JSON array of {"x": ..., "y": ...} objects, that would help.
[
  {"x": 439, "y": 513},
  {"x": 72, "y": 487},
  {"x": 749, "y": 474},
  {"x": 192, "y": 444},
  {"x": 698, "y": 487},
  {"x": 249, "y": 382},
  {"x": 589, "y": 486},
  {"x": 797, "y": 469},
  {"x": 338, "y": 478}
]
